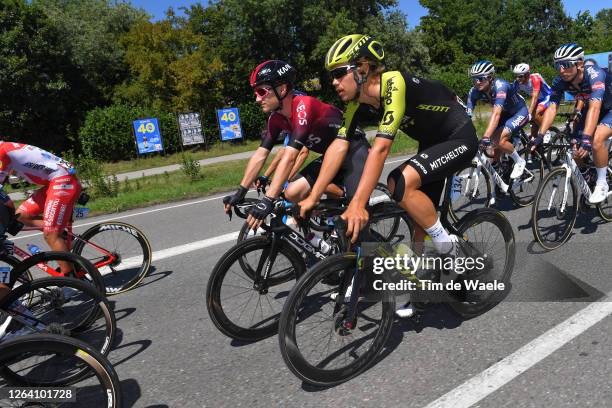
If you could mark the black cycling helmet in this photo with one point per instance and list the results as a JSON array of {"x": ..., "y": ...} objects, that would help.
[{"x": 273, "y": 72}]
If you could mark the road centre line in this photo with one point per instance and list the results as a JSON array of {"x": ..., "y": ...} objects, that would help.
[
  {"x": 504, "y": 371},
  {"x": 85, "y": 224}
]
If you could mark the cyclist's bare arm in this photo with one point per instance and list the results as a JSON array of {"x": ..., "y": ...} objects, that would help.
[
  {"x": 592, "y": 117},
  {"x": 493, "y": 121},
  {"x": 256, "y": 163},
  {"x": 274, "y": 164},
  {"x": 282, "y": 172},
  {"x": 302, "y": 156},
  {"x": 533, "y": 103}
]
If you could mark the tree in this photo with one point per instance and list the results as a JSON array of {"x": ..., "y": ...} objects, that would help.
[
  {"x": 90, "y": 31},
  {"x": 40, "y": 88}
]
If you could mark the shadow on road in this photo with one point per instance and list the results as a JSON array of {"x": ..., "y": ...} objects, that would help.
[{"x": 142, "y": 346}]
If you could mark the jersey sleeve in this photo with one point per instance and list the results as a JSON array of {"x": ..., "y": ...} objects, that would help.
[
  {"x": 597, "y": 79},
  {"x": 270, "y": 135},
  {"x": 501, "y": 93},
  {"x": 536, "y": 82},
  {"x": 557, "y": 90},
  {"x": 349, "y": 121},
  {"x": 393, "y": 99},
  {"x": 471, "y": 101}
]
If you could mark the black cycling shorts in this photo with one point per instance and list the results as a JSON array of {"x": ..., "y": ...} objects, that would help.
[
  {"x": 350, "y": 171},
  {"x": 435, "y": 162}
]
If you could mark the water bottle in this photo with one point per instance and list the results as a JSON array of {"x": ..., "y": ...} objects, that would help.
[
  {"x": 33, "y": 249},
  {"x": 318, "y": 243}
]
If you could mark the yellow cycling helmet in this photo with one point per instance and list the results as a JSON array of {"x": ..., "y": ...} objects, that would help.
[{"x": 350, "y": 47}]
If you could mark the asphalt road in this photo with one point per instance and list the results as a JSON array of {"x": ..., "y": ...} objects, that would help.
[{"x": 520, "y": 354}]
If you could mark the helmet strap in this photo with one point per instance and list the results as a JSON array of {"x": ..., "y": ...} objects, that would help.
[
  {"x": 360, "y": 80},
  {"x": 280, "y": 99}
]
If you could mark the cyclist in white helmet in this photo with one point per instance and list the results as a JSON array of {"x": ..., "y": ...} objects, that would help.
[
  {"x": 535, "y": 86},
  {"x": 593, "y": 85},
  {"x": 509, "y": 112}
]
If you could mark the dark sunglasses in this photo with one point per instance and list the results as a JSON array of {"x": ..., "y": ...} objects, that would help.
[
  {"x": 262, "y": 92},
  {"x": 522, "y": 76},
  {"x": 339, "y": 72},
  {"x": 564, "y": 65},
  {"x": 480, "y": 78}
]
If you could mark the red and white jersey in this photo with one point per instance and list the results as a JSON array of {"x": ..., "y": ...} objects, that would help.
[
  {"x": 34, "y": 164},
  {"x": 536, "y": 83}
]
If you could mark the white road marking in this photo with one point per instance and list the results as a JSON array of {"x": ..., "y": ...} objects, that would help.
[
  {"x": 85, "y": 224},
  {"x": 496, "y": 376}
]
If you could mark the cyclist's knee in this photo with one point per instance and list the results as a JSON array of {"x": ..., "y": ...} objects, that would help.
[{"x": 297, "y": 190}]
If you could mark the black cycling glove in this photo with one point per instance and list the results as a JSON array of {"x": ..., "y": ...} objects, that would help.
[
  {"x": 264, "y": 207},
  {"x": 237, "y": 197}
]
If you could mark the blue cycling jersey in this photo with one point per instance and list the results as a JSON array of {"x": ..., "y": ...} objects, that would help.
[
  {"x": 595, "y": 86},
  {"x": 501, "y": 94}
]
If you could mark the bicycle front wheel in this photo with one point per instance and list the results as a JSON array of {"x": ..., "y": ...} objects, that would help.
[
  {"x": 313, "y": 343},
  {"x": 120, "y": 251},
  {"x": 470, "y": 190},
  {"x": 555, "y": 209},
  {"x": 38, "y": 359},
  {"x": 524, "y": 189},
  {"x": 241, "y": 302}
]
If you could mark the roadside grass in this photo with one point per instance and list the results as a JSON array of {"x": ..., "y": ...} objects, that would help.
[{"x": 157, "y": 160}]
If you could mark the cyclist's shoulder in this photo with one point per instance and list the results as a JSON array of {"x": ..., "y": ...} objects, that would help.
[
  {"x": 559, "y": 83},
  {"x": 501, "y": 84}
]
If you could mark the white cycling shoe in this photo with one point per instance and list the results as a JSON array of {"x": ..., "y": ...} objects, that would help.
[
  {"x": 599, "y": 193},
  {"x": 405, "y": 311},
  {"x": 518, "y": 169}
]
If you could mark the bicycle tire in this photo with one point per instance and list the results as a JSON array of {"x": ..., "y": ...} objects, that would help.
[
  {"x": 92, "y": 274},
  {"x": 456, "y": 209},
  {"x": 116, "y": 282},
  {"x": 471, "y": 309},
  {"x": 536, "y": 167},
  {"x": 59, "y": 315},
  {"x": 67, "y": 349},
  {"x": 218, "y": 308},
  {"x": 553, "y": 237},
  {"x": 314, "y": 373},
  {"x": 24, "y": 277}
]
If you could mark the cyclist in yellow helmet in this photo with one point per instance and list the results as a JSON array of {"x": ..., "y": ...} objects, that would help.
[{"x": 424, "y": 109}]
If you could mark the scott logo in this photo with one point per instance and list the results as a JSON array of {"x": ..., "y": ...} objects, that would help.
[
  {"x": 434, "y": 108},
  {"x": 388, "y": 118}
]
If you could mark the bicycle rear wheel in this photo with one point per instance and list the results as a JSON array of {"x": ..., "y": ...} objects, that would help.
[
  {"x": 243, "y": 307},
  {"x": 120, "y": 251},
  {"x": 312, "y": 341},
  {"x": 555, "y": 210},
  {"x": 65, "y": 306},
  {"x": 35, "y": 360}
]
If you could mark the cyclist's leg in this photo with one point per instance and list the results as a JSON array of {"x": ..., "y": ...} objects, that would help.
[
  {"x": 513, "y": 124},
  {"x": 352, "y": 167},
  {"x": 432, "y": 164},
  {"x": 538, "y": 116},
  {"x": 303, "y": 182},
  {"x": 600, "y": 157},
  {"x": 62, "y": 194},
  {"x": 29, "y": 211}
]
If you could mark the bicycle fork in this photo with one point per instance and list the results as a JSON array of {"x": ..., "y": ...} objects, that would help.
[{"x": 265, "y": 262}]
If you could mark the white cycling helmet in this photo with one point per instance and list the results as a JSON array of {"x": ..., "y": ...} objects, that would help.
[
  {"x": 482, "y": 68},
  {"x": 521, "y": 69},
  {"x": 569, "y": 52}
]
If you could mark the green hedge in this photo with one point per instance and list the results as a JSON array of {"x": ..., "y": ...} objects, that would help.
[{"x": 107, "y": 132}]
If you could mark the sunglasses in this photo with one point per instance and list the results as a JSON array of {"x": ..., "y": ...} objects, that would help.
[
  {"x": 564, "y": 65},
  {"x": 339, "y": 72},
  {"x": 480, "y": 78},
  {"x": 262, "y": 92},
  {"x": 520, "y": 76}
]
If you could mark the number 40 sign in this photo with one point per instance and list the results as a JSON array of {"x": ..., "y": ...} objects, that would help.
[
  {"x": 229, "y": 124},
  {"x": 148, "y": 136}
]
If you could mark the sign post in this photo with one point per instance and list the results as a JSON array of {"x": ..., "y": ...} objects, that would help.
[
  {"x": 148, "y": 136},
  {"x": 229, "y": 124}
]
